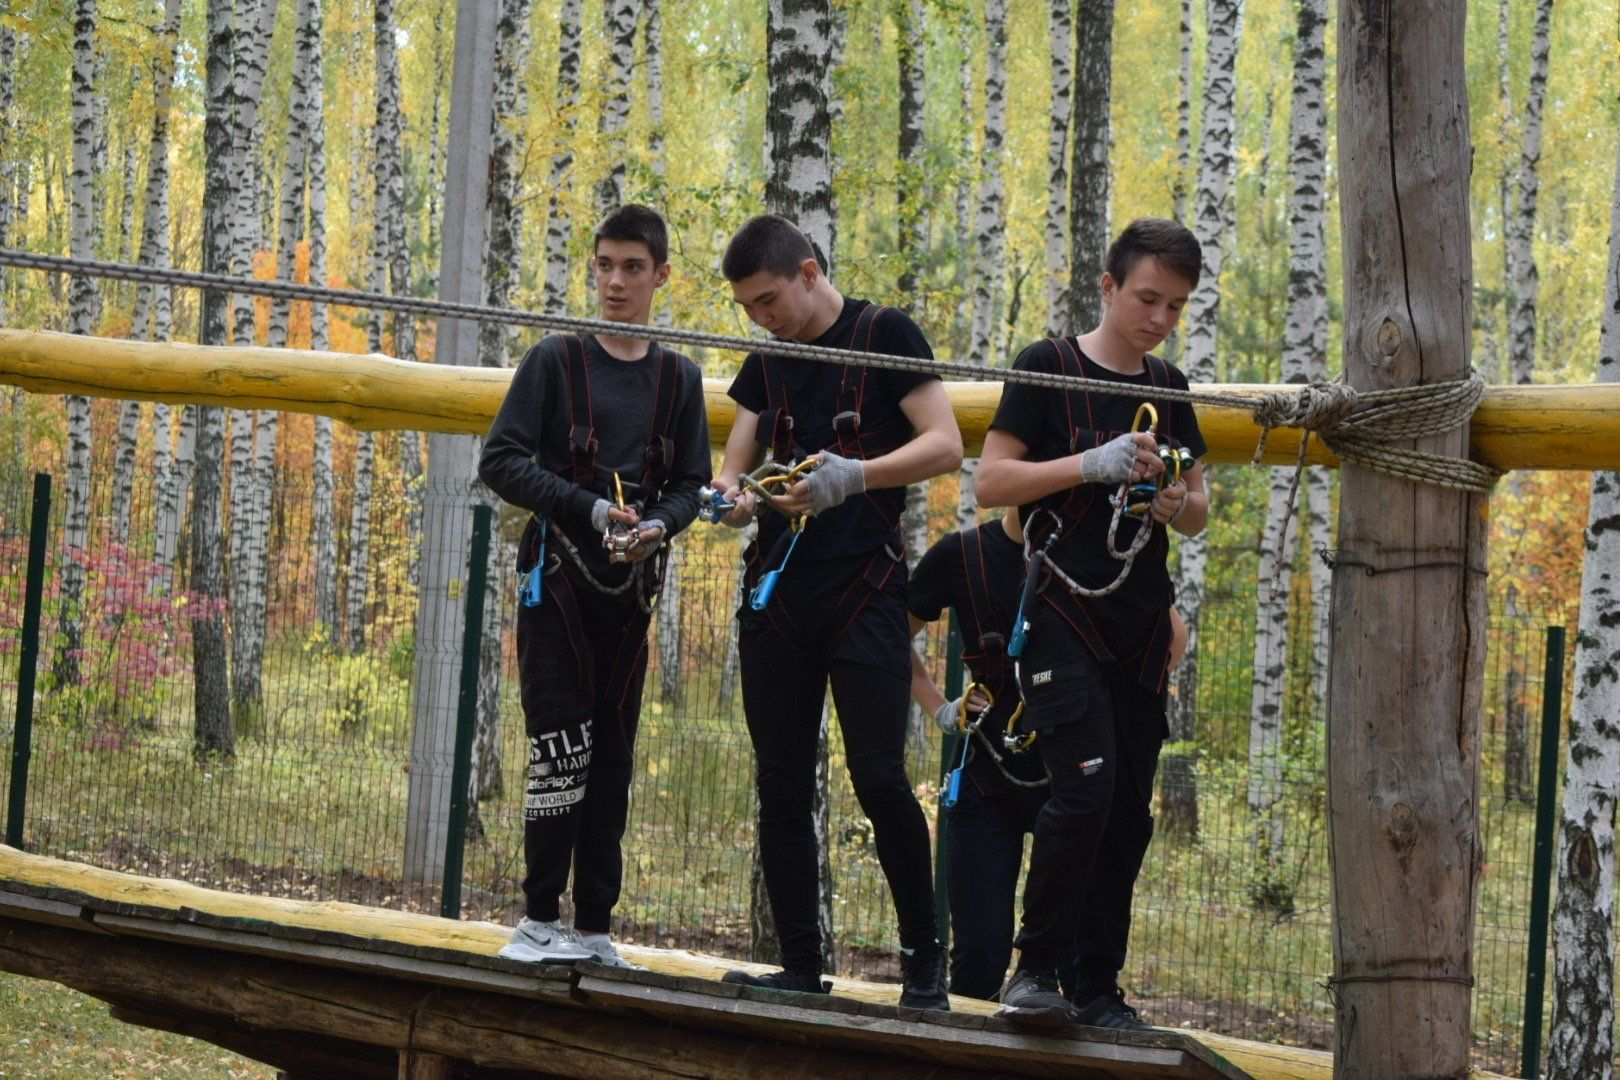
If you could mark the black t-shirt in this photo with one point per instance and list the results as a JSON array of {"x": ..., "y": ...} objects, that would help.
[
  {"x": 1045, "y": 420},
  {"x": 527, "y": 454},
  {"x": 940, "y": 581},
  {"x": 810, "y": 391}
]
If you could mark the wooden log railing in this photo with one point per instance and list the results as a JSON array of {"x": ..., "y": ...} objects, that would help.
[{"x": 1516, "y": 427}]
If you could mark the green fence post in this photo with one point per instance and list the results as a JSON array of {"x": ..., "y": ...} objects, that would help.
[
  {"x": 22, "y": 736},
  {"x": 948, "y": 749},
  {"x": 1535, "y": 968},
  {"x": 472, "y": 641}
]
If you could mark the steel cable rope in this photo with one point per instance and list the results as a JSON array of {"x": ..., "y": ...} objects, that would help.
[{"x": 1361, "y": 427}]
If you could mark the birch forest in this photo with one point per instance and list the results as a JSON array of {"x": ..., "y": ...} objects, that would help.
[{"x": 967, "y": 160}]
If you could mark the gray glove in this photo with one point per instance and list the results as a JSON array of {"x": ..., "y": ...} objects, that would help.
[
  {"x": 650, "y": 538},
  {"x": 1110, "y": 463},
  {"x": 599, "y": 515},
  {"x": 945, "y": 716},
  {"x": 833, "y": 481}
]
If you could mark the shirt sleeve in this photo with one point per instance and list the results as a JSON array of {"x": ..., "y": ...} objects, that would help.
[
  {"x": 748, "y": 387},
  {"x": 508, "y": 464},
  {"x": 896, "y": 335},
  {"x": 928, "y": 593},
  {"x": 1024, "y": 409},
  {"x": 677, "y": 503}
]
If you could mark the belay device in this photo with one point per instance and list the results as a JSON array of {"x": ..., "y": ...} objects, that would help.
[{"x": 1176, "y": 459}]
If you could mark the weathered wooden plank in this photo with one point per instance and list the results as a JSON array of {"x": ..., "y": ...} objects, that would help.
[
  {"x": 1084, "y": 1053},
  {"x": 549, "y": 980},
  {"x": 1543, "y": 427},
  {"x": 44, "y": 909},
  {"x": 301, "y": 1055},
  {"x": 1404, "y": 682}
]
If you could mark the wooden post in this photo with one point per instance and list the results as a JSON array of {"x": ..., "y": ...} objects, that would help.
[{"x": 1409, "y": 594}]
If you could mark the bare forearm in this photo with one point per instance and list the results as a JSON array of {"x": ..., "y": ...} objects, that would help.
[
  {"x": 1015, "y": 482},
  {"x": 930, "y": 454}
]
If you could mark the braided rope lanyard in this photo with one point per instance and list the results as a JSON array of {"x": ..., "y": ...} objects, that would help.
[
  {"x": 646, "y": 599},
  {"x": 1361, "y": 427}
]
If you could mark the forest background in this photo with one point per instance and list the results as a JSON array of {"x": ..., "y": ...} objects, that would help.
[{"x": 949, "y": 215}]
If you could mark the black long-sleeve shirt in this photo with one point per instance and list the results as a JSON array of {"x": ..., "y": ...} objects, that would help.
[{"x": 527, "y": 452}]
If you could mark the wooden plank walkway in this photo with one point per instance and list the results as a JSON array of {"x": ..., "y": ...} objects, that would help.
[{"x": 322, "y": 988}]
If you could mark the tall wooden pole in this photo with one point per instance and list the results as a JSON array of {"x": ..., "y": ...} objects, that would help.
[{"x": 1409, "y": 596}]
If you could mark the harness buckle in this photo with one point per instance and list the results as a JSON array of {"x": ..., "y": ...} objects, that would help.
[{"x": 847, "y": 424}]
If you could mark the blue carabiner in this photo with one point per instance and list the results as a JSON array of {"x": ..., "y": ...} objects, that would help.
[
  {"x": 953, "y": 780},
  {"x": 761, "y": 595},
  {"x": 531, "y": 589}
]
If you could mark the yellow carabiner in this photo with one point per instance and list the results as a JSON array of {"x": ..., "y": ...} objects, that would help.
[
  {"x": 618, "y": 490},
  {"x": 1011, "y": 739},
  {"x": 962, "y": 709},
  {"x": 1152, "y": 415}
]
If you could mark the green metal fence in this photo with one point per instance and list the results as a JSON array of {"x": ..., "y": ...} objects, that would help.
[{"x": 313, "y": 804}]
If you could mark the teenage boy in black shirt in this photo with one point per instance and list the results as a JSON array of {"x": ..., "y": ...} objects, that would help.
[
  {"x": 838, "y": 613},
  {"x": 978, "y": 573},
  {"x": 1093, "y": 669},
  {"x": 605, "y": 440}
]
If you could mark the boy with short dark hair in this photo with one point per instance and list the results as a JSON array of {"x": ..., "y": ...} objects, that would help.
[
  {"x": 838, "y": 611},
  {"x": 1099, "y": 633},
  {"x": 605, "y": 440}
]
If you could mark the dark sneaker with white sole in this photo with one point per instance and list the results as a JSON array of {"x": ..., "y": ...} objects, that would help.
[
  {"x": 1032, "y": 999},
  {"x": 922, "y": 979},
  {"x": 799, "y": 982},
  {"x": 1109, "y": 1010}
]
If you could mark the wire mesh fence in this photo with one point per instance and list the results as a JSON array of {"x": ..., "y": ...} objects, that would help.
[{"x": 317, "y": 801}]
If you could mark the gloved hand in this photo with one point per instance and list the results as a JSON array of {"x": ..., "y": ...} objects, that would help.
[
  {"x": 599, "y": 515},
  {"x": 834, "y": 480},
  {"x": 649, "y": 538},
  {"x": 945, "y": 716},
  {"x": 1115, "y": 461}
]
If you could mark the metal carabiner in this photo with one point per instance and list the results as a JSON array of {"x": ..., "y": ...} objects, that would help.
[{"x": 963, "y": 708}]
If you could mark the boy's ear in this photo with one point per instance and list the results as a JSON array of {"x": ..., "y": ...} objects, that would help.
[
  {"x": 1106, "y": 285},
  {"x": 661, "y": 276},
  {"x": 810, "y": 270}
]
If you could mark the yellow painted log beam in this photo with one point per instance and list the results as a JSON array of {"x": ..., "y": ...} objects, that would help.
[{"x": 1516, "y": 427}]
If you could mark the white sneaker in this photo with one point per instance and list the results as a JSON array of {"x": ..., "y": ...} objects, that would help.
[
  {"x": 545, "y": 942},
  {"x": 603, "y": 952}
]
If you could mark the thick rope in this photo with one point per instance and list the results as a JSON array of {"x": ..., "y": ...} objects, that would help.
[{"x": 1363, "y": 427}]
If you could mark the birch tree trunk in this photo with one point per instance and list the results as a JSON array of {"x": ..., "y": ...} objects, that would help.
[
  {"x": 798, "y": 122},
  {"x": 212, "y": 733},
  {"x": 1060, "y": 34},
  {"x": 392, "y": 219},
  {"x": 912, "y": 191},
  {"x": 81, "y": 320},
  {"x": 653, "y": 57},
  {"x": 1172, "y": 344},
  {"x": 989, "y": 227},
  {"x": 1212, "y": 207},
  {"x": 963, "y": 248},
  {"x": 619, "y": 30},
  {"x": 154, "y": 305},
  {"x": 1088, "y": 171},
  {"x": 1304, "y": 343},
  {"x": 433, "y": 183},
  {"x": 322, "y": 525},
  {"x": 1582, "y": 1041},
  {"x": 1523, "y": 281},
  {"x": 8, "y": 148},
  {"x": 359, "y": 566},
  {"x": 562, "y": 162},
  {"x": 503, "y": 257},
  {"x": 252, "y": 432}
]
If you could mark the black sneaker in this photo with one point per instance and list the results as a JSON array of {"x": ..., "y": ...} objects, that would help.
[
  {"x": 922, "y": 979},
  {"x": 800, "y": 982},
  {"x": 1031, "y": 999},
  {"x": 1109, "y": 1010}
]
